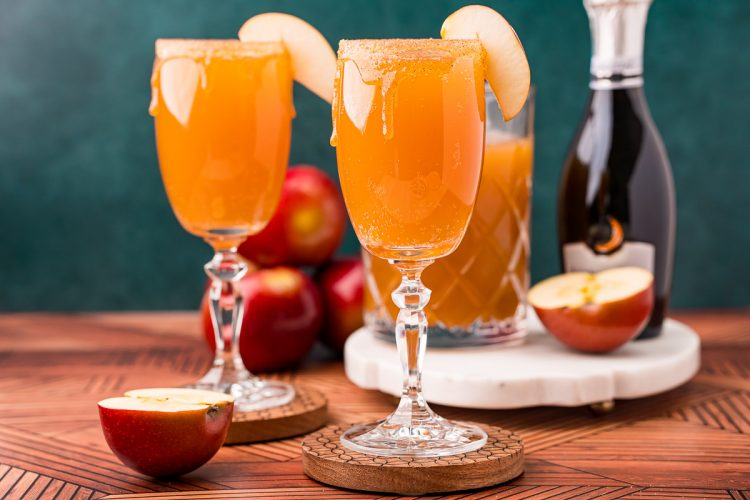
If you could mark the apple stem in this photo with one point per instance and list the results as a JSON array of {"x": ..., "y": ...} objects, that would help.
[{"x": 411, "y": 297}]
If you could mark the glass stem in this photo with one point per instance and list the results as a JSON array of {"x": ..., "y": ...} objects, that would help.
[
  {"x": 411, "y": 297},
  {"x": 226, "y": 308},
  {"x": 413, "y": 430}
]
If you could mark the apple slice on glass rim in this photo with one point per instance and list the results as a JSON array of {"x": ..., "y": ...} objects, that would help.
[
  {"x": 507, "y": 69},
  {"x": 313, "y": 59}
]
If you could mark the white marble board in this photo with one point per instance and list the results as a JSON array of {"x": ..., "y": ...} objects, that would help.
[{"x": 540, "y": 372}]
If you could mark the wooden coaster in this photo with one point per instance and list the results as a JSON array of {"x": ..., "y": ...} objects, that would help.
[
  {"x": 326, "y": 460},
  {"x": 307, "y": 411}
]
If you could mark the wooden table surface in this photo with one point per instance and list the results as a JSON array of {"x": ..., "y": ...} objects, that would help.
[{"x": 692, "y": 442}]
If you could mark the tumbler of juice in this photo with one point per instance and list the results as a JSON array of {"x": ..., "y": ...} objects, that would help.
[{"x": 480, "y": 289}]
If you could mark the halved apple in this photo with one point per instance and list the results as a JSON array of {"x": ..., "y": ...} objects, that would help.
[
  {"x": 595, "y": 312},
  {"x": 507, "y": 68},
  {"x": 166, "y": 432},
  {"x": 313, "y": 59}
]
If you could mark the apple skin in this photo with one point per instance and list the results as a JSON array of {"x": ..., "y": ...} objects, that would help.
[
  {"x": 308, "y": 224},
  {"x": 599, "y": 328},
  {"x": 166, "y": 444},
  {"x": 283, "y": 316},
  {"x": 341, "y": 284}
]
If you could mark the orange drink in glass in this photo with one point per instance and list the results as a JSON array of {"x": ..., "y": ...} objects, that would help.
[
  {"x": 222, "y": 111},
  {"x": 483, "y": 284},
  {"x": 409, "y": 134}
]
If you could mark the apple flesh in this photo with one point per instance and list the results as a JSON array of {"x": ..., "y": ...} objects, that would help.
[
  {"x": 283, "y": 316},
  {"x": 341, "y": 284},
  {"x": 166, "y": 432},
  {"x": 308, "y": 224},
  {"x": 507, "y": 69},
  {"x": 595, "y": 312},
  {"x": 313, "y": 59}
]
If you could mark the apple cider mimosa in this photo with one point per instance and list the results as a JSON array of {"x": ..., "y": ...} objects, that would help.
[
  {"x": 408, "y": 127},
  {"x": 222, "y": 113}
]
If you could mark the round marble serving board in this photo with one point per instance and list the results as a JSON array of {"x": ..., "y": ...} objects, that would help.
[
  {"x": 540, "y": 372},
  {"x": 325, "y": 459},
  {"x": 306, "y": 412}
]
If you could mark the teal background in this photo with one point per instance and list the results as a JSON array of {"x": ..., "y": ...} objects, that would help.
[{"x": 84, "y": 220}]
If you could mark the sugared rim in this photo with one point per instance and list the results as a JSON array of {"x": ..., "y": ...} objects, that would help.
[
  {"x": 408, "y": 48},
  {"x": 176, "y": 47}
]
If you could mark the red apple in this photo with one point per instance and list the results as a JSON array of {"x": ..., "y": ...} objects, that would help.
[
  {"x": 595, "y": 312},
  {"x": 341, "y": 285},
  {"x": 283, "y": 315},
  {"x": 166, "y": 432},
  {"x": 306, "y": 228}
]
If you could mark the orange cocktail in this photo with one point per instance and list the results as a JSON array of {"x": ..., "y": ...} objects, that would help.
[
  {"x": 223, "y": 112},
  {"x": 409, "y": 130}
]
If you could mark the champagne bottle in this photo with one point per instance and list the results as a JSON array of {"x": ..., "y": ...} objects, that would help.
[{"x": 616, "y": 204}]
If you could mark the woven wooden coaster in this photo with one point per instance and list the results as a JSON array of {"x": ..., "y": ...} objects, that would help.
[
  {"x": 326, "y": 460},
  {"x": 307, "y": 411}
]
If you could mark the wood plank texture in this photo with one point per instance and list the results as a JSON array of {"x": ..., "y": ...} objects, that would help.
[{"x": 692, "y": 442}]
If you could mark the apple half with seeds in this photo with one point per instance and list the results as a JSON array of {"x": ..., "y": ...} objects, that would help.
[
  {"x": 595, "y": 312},
  {"x": 166, "y": 432}
]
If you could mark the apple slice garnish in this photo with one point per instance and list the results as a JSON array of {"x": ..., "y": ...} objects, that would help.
[
  {"x": 595, "y": 312},
  {"x": 507, "y": 68},
  {"x": 166, "y": 432},
  {"x": 313, "y": 59}
]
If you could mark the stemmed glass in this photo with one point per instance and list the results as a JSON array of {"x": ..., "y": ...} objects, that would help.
[
  {"x": 222, "y": 111},
  {"x": 409, "y": 120}
]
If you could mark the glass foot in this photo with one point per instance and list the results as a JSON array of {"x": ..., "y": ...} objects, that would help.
[
  {"x": 435, "y": 437},
  {"x": 252, "y": 395}
]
